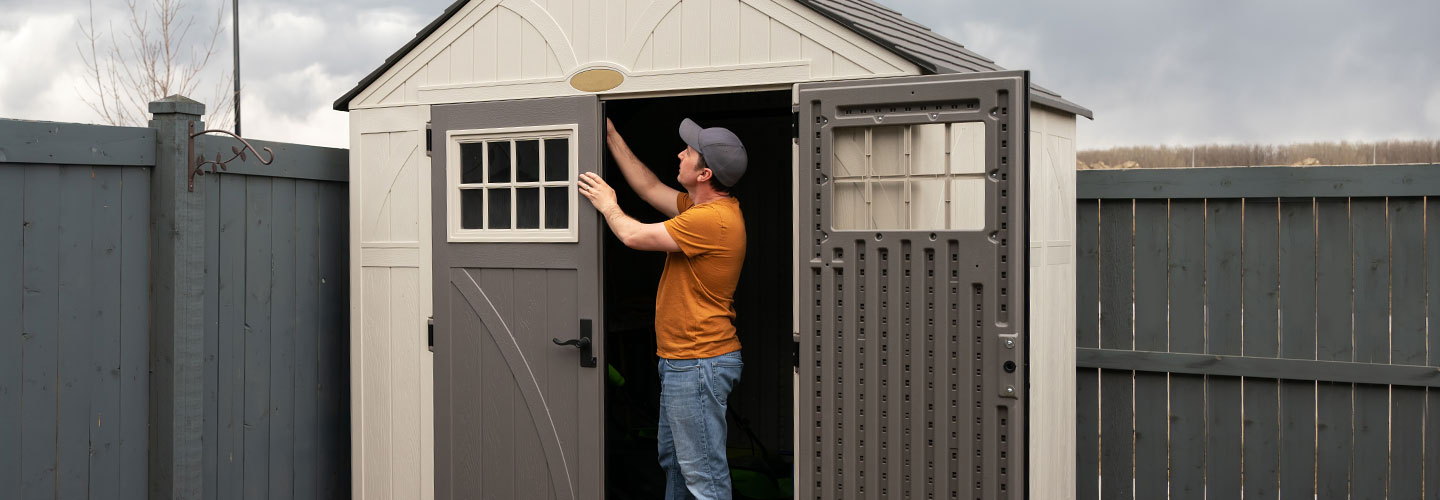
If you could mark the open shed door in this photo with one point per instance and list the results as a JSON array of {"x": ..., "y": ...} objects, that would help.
[
  {"x": 912, "y": 217},
  {"x": 516, "y": 267}
]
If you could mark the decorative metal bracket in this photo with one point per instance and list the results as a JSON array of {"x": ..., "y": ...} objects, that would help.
[{"x": 198, "y": 162}]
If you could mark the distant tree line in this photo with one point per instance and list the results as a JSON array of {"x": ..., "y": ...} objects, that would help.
[{"x": 1232, "y": 155}]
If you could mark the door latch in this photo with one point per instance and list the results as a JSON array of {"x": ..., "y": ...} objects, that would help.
[{"x": 584, "y": 343}]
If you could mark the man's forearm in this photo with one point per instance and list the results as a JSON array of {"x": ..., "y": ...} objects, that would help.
[
  {"x": 624, "y": 226},
  {"x": 635, "y": 171}
]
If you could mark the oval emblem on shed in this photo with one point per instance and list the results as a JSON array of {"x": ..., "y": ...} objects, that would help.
[{"x": 596, "y": 80}]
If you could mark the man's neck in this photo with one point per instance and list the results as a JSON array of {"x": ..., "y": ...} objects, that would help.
[{"x": 705, "y": 194}]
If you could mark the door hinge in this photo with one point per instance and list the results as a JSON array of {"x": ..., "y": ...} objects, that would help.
[
  {"x": 1010, "y": 377},
  {"x": 794, "y": 124},
  {"x": 429, "y": 139},
  {"x": 430, "y": 333},
  {"x": 795, "y": 354}
]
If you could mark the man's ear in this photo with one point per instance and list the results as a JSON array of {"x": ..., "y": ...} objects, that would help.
[{"x": 705, "y": 175}]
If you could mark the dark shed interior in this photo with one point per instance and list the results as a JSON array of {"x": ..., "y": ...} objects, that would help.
[{"x": 761, "y": 432}]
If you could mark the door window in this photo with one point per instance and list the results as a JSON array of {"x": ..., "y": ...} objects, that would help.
[
  {"x": 925, "y": 177},
  {"x": 513, "y": 185}
]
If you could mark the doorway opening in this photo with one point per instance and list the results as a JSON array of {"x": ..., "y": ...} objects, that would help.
[{"x": 760, "y": 414}]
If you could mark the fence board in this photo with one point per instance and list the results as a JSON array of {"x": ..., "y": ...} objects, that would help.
[
  {"x": 1223, "y": 261},
  {"x": 282, "y": 344},
  {"x": 1332, "y": 297},
  {"x": 290, "y": 161},
  {"x": 1151, "y": 247},
  {"x": 24, "y": 141},
  {"x": 1087, "y": 272},
  {"x": 1087, "y": 334},
  {"x": 12, "y": 265},
  {"x": 1407, "y": 290},
  {"x": 1187, "y": 334},
  {"x": 1297, "y": 278},
  {"x": 307, "y": 323},
  {"x": 257, "y": 337},
  {"x": 1432, "y": 355},
  {"x": 1333, "y": 434},
  {"x": 210, "y": 454},
  {"x": 1116, "y": 324},
  {"x": 1407, "y": 460},
  {"x": 1261, "y": 338},
  {"x": 333, "y": 395},
  {"x": 135, "y": 332},
  {"x": 1407, "y": 275},
  {"x": 75, "y": 325},
  {"x": 1297, "y": 340},
  {"x": 104, "y": 370},
  {"x": 1371, "y": 266},
  {"x": 1223, "y": 182},
  {"x": 41, "y": 307},
  {"x": 230, "y": 365}
]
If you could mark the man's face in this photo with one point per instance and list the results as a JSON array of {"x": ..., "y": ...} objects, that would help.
[{"x": 690, "y": 170}]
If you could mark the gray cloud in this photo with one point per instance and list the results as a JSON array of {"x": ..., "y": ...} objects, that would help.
[{"x": 1192, "y": 72}]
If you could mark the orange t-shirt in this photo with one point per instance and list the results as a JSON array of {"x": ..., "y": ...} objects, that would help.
[{"x": 695, "y": 302}]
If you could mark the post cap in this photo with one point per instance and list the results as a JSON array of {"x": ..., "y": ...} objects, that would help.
[{"x": 177, "y": 104}]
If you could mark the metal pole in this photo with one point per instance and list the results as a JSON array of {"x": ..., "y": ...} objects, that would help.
[{"x": 235, "y": 17}]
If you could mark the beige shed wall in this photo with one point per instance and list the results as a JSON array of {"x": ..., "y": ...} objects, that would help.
[
  {"x": 1052, "y": 304},
  {"x": 392, "y": 433}
]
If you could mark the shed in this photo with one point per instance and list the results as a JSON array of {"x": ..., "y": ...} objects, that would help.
[{"x": 906, "y": 306}]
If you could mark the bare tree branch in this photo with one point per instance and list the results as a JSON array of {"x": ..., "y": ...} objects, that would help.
[{"x": 152, "y": 58}]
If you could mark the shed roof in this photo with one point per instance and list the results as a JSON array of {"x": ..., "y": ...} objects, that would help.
[{"x": 884, "y": 26}]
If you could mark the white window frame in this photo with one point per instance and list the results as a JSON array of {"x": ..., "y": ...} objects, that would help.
[{"x": 454, "y": 138}]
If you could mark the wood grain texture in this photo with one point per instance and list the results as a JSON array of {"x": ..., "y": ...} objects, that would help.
[{"x": 12, "y": 344}]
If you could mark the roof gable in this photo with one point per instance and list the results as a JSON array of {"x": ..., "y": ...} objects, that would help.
[{"x": 882, "y": 26}]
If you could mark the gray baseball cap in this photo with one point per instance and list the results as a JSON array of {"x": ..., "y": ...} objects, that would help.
[{"x": 722, "y": 151}]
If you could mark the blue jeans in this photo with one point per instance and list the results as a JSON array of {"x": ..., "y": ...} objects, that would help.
[{"x": 693, "y": 394}]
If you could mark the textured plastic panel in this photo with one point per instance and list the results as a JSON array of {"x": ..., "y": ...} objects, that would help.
[{"x": 912, "y": 345}]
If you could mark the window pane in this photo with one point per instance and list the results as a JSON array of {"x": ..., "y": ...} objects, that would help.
[
  {"x": 557, "y": 206},
  {"x": 499, "y": 163},
  {"x": 557, "y": 160},
  {"x": 887, "y": 151},
  {"x": 927, "y": 204},
  {"x": 927, "y": 149},
  {"x": 850, "y": 207},
  {"x": 967, "y": 204},
  {"x": 849, "y": 152},
  {"x": 499, "y": 208},
  {"x": 527, "y": 161},
  {"x": 887, "y": 206},
  {"x": 472, "y": 208},
  {"x": 967, "y": 148},
  {"x": 472, "y": 157},
  {"x": 527, "y": 208}
]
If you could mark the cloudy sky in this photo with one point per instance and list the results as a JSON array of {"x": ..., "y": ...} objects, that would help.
[{"x": 1177, "y": 72}]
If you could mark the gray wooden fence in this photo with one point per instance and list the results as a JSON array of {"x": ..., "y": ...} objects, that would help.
[
  {"x": 134, "y": 366},
  {"x": 1258, "y": 331},
  {"x": 74, "y": 250}
]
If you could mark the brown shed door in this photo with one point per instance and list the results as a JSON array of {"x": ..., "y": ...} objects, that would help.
[
  {"x": 912, "y": 275},
  {"x": 516, "y": 266}
]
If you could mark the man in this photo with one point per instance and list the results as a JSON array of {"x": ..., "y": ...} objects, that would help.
[{"x": 694, "y": 304}]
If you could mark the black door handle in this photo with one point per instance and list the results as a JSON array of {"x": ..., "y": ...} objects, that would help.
[
  {"x": 583, "y": 343},
  {"x": 587, "y": 358}
]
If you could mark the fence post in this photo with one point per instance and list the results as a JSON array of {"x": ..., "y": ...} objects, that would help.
[{"x": 177, "y": 335}]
